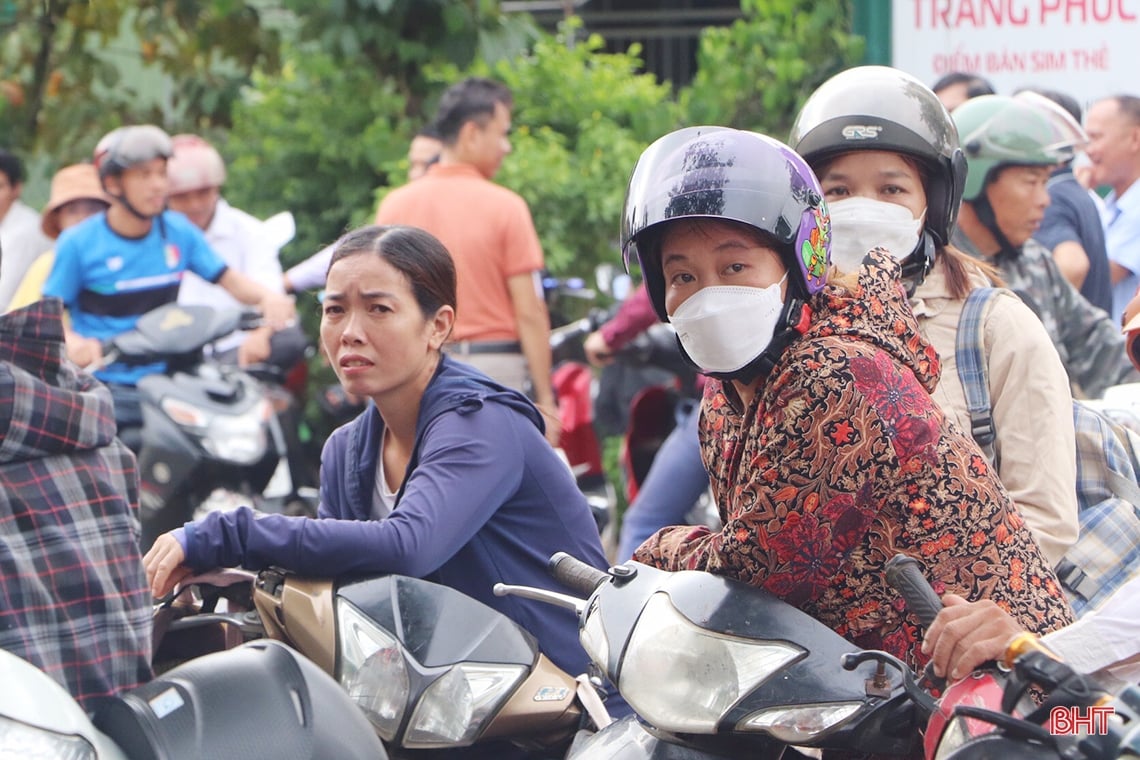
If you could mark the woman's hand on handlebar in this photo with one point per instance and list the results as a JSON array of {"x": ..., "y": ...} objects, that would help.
[
  {"x": 598, "y": 352},
  {"x": 163, "y": 564},
  {"x": 280, "y": 311},
  {"x": 966, "y": 634},
  {"x": 85, "y": 352},
  {"x": 255, "y": 348}
]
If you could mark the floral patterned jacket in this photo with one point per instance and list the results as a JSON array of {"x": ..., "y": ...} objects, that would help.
[{"x": 842, "y": 461}]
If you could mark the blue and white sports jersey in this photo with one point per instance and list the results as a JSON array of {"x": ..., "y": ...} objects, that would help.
[{"x": 108, "y": 281}]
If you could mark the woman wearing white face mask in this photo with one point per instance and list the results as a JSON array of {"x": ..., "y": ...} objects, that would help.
[
  {"x": 824, "y": 449},
  {"x": 887, "y": 156}
]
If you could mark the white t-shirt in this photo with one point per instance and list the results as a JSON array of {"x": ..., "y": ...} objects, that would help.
[
  {"x": 383, "y": 499},
  {"x": 238, "y": 238},
  {"x": 21, "y": 243}
]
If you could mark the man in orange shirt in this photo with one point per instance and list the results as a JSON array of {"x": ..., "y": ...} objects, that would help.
[{"x": 502, "y": 326}]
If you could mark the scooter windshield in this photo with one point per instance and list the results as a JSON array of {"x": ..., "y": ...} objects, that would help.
[
  {"x": 438, "y": 625},
  {"x": 174, "y": 330}
]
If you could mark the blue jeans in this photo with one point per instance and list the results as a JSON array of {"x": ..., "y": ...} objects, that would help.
[
  {"x": 675, "y": 481},
  {"x": 128, "y": 414}
]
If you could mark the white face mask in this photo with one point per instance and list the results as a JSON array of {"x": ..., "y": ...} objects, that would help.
[
  {"x": 860, "y": 224},
  {"x": 724, "y": 328}
]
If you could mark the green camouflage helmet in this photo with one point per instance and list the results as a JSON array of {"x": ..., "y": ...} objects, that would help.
[{"x": 1026, "y": 130}]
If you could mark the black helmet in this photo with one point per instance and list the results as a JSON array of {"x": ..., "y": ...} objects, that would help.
[
  {"x": 721, "y": 173},
  {"x": 122, "y": 148},
  {"x": 880, "y": 108}
]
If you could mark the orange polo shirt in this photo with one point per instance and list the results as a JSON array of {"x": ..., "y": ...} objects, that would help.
[{"x": 489, "y": 232}]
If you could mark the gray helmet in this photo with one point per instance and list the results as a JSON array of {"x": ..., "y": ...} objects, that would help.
[
  {"x": 721, "y": 173},
  {"x": 880, "y": 108},
  {"x": 122, "y": 148}
]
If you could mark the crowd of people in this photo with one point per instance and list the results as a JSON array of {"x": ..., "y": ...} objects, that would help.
[{"x": 819, "y": 285}]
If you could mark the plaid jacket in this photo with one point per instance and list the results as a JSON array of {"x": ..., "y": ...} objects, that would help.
[
  {"x": 73, "y": 595},
  {"x": 1107, "y": 554}
]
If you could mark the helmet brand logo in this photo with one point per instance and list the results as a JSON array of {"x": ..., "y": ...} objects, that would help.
[{"x": 861, "y": 132}]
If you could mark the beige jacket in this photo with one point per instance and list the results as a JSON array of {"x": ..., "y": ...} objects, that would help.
[{"x": 1031, "y": 400}]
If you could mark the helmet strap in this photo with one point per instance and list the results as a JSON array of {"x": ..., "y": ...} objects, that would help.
[
  {"x": 918, "y": 264},
  {"x": 122, "y": 199},
  {"x": 795, "y": 318},
  {"x": 985, "y": 213}
]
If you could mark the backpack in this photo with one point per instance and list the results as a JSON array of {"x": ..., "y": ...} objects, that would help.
[{"x": 1107, "y": 551}]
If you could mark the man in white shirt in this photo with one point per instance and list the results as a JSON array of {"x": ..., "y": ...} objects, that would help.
[
  {"x": 1113, "y": 126},
  {"x": 197, "y": 173},
  {"x": 21, "y": 240}
]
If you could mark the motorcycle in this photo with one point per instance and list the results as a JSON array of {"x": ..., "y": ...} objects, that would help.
[
  {"x": 656, "y": 386},
  {"x": 575, "y": 387},
  {"x": 718, "y": 669},
  {"x": 430, "y": 667},
  {"x": 260, "y": 701},
  {"x": 210, "y": 438}
]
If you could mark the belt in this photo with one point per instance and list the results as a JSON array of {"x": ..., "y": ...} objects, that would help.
[{"x": 484, "y": 347}]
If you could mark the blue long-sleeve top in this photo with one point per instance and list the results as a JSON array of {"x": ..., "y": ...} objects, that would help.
[{"x": 485, "y": 499}]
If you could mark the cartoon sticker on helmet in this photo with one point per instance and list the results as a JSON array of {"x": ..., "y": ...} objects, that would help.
[{"x": 814, "y": 248}]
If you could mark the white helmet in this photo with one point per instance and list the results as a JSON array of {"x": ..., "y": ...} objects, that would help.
[{"x": 195, "y": 165}]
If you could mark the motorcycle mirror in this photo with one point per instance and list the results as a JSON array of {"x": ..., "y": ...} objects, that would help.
[
  {"x": 622, "y": 286},
  {"x": 604, "y": 277},
  {"x": 279, "y": 229}
]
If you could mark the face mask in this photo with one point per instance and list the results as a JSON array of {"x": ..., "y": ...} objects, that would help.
[
  {"x": 724, "y": 328},
  {"x": 860, "y": 224}
]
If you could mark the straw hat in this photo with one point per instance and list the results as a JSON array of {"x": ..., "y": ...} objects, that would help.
[{"x": 71, "y": 183}]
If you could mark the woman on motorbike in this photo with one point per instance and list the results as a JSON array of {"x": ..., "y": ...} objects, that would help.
[
  {"x": 446, "y": 474},
  {"x": 826, "y": 453},
  {"x": 899, "y": 187}
]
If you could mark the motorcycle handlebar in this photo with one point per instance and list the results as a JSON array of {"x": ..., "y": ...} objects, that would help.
[
  {"x": 576, "y": 330},
  {"x": 905, "y": 575},
  {"x": 575, "y": 574}
]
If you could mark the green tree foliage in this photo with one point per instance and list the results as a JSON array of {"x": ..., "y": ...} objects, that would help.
[
  {"x": 756, "y": 73},
  {"x": 398, "y": 39},
  {"x": 313, "y": 141},
  {"x": 335, "y": 123},
  {"x": 581, "y": 117},
  {"x": 74, "y": 69}
]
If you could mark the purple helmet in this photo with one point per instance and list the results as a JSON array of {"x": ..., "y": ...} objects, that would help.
[{"x": 721, "y": 173}]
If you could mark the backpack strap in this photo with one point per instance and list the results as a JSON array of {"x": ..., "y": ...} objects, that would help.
[
  {"x": 1124, "y": 487},
  {"x": 972, "y": 369}
]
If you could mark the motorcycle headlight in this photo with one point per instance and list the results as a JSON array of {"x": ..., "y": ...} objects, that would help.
[
  {"x": 954, "y": 736},
  {"x": 32, "y": 743},
  {"x": 683, "y": 678},
  {"x": 372, "y": 671},
  {"x": 795, "y": 725},
  {"x": 451, "y": 711},
  {"x": 241, "y": 439},
  {"x": 186, "y": 415}
]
